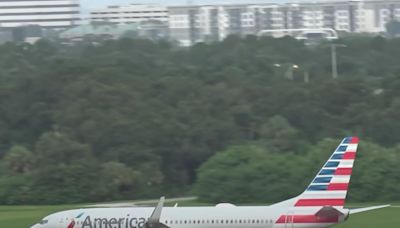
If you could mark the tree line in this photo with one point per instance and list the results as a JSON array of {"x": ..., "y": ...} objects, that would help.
[{"x": 136, "y": 118}]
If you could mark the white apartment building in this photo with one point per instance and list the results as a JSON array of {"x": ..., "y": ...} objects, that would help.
[
  {"x": 130, "y": 14},
  {"x": 45, "y": 13},
  {"x": 191, "y": 24}
]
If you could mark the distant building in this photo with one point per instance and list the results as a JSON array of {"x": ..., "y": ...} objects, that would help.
[
  {"x": 154, "y": 30},
  {"x": 98, "y": 32},
  {"x": 6, "y": 36},
  {"x": 130, "y": 14},
  {"x": 44, "y": 13},
  {"x": 192, "y": 24},
  {"x": 28, "y": 34}
]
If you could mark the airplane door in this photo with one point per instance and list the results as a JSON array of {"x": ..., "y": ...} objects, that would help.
[
  {"x": 289, "y": 221},
  {"x": 60, "y": 223}
]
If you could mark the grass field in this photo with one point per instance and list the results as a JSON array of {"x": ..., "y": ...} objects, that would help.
[
  {"x": 382, "y": 218},
  {"x": 24, "y": 216}
]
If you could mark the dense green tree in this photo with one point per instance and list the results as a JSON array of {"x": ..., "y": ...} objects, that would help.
[
  {"x": 19, "y": 160},
  {"x": 56, "y": 148},
  {"x": 279, "y": 134},
  {"x": 66, "y": 170},
  {"x": 118, "y": 179},
  {"x": 150, "y": 113},
  {"x": 258, "y": 175},
  {"x": 255, "y": 175},
  {"x": 17, "y": 189}
]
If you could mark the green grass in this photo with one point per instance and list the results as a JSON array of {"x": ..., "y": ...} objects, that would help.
[
  {"x": 24, "y": 216},
  {"x": 387, "y": 217}
]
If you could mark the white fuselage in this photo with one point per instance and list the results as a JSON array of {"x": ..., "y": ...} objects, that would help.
[{"x": 220, "y": 216}]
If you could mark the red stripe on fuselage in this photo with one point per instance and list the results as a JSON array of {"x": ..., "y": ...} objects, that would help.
[
  {"x": 288, "y": 219},
  {"x": 344, "y": 171},
  {"x": 338, "y": 186},
  {"x": 319, "y": 202}
]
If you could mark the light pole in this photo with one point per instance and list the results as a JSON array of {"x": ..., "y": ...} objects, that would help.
[
  {"x": 290, "y": 71},
  {"x": 335, "y": 73},
  {"x": 289, "y": 74}
]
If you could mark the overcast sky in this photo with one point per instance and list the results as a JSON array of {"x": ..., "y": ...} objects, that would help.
[{"x": 89, "y": 4}]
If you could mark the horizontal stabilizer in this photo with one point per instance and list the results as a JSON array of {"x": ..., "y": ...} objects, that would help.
[
  {"x": 355, "y": 211},
  {"x": 329, "y": 212}
]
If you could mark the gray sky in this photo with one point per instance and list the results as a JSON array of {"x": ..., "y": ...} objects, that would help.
[{"x": 89, "y": 4}]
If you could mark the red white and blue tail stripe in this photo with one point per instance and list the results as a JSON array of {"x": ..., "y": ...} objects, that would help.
[
  {"x": 326, "y": 194},
  {"x": 330, "y": 186}
]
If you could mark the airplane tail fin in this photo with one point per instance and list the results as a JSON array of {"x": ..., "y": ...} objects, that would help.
[{"x": 329, "y": 188}]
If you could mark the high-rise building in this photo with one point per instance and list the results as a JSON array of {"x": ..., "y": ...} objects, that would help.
[
  {"x": 191, "y": 24},
  {"x": 45, "y": 13},
  {"x": 130, "y": 14}
]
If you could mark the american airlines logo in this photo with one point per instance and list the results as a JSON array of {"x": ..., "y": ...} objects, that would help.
[
  {"x": 72, "y": 224},
  {"x": 127, "y": 222}
]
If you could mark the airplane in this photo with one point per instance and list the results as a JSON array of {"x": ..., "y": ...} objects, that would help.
[{"x": 320, "y": 205}]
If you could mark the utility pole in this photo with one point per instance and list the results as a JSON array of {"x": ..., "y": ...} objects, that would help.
[
  {"x": 335, "y": 73},
  {"x": 306, "y": 77}
]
